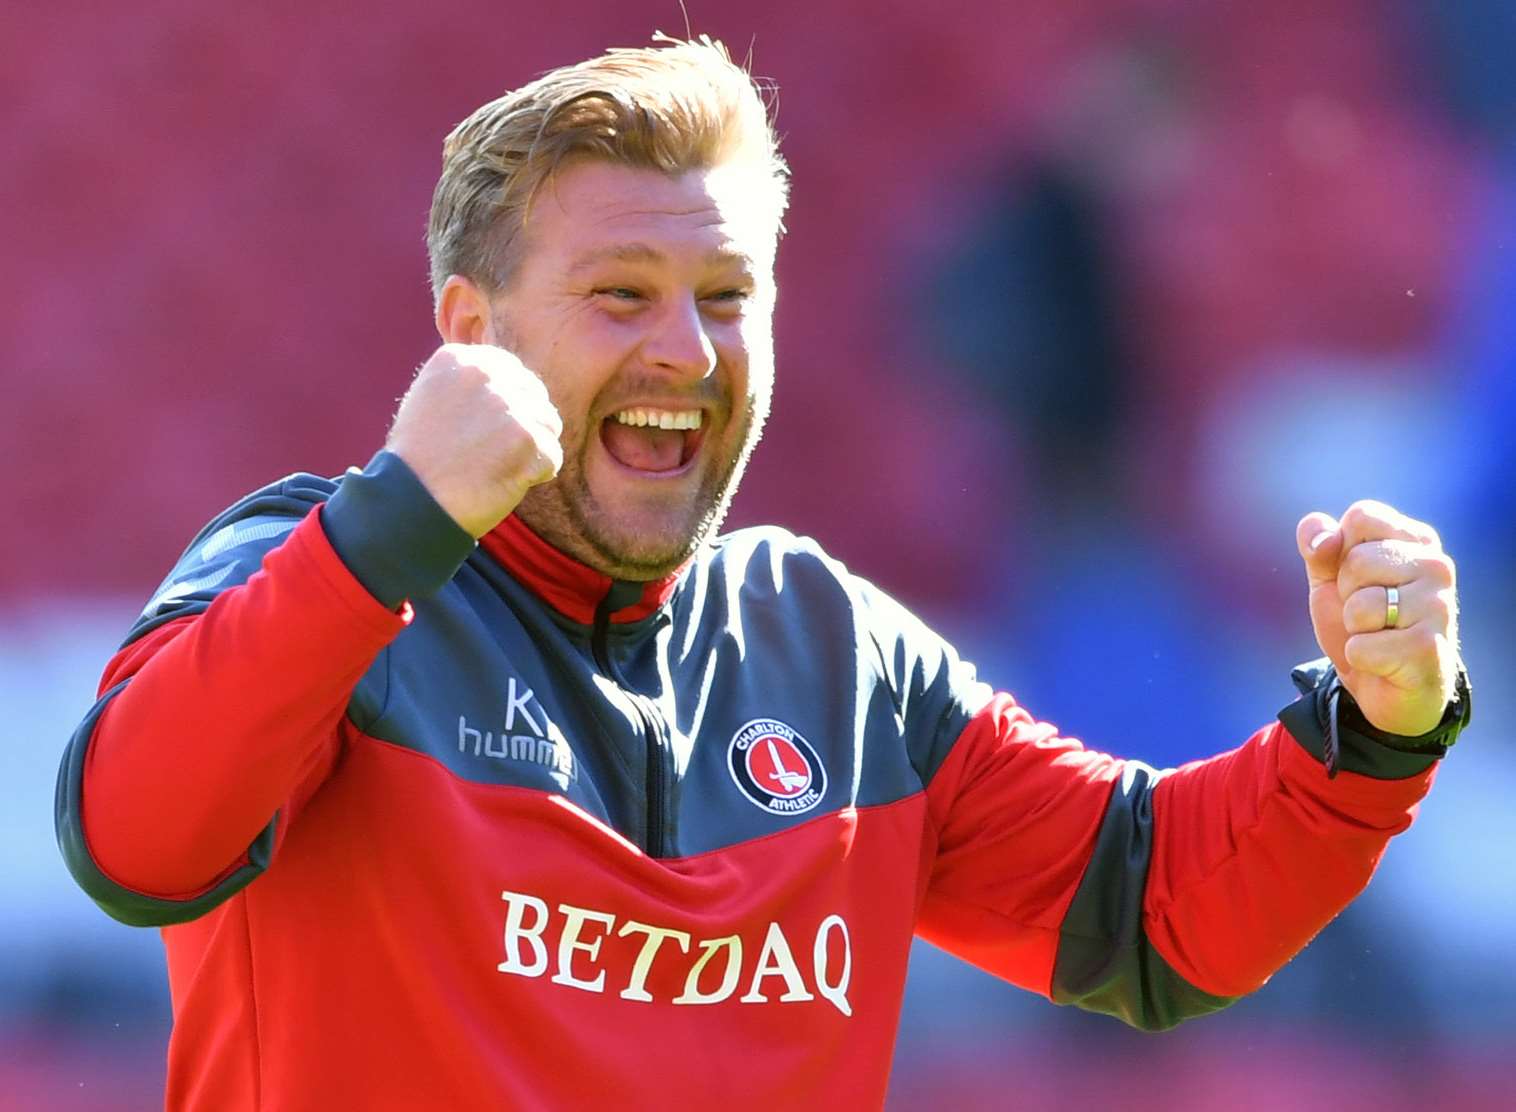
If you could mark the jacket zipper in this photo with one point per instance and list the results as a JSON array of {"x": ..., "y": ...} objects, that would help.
[{"x": 652, "y": 732}]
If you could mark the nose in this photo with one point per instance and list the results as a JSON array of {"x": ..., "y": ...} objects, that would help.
[{"x": 679, "y": 341}]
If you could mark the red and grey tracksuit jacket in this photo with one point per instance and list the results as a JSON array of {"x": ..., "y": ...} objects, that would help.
[{"x": 427, "y": 824}]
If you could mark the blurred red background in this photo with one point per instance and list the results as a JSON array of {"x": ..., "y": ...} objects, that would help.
[{"x": 1081, "y": 305}]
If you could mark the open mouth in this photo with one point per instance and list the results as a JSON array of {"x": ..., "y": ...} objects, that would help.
[{"x": 653, "y": 441}]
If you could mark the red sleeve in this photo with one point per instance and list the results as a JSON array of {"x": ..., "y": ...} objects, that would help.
[
  {"x": 1016, "y": 809},
  {"x": 1058, "y": 868},
  {"x": 229, "y": 716},
  {"x": 1256, "y": 850}
]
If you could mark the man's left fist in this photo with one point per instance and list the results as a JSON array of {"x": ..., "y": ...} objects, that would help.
[{"x": 1400, "y": 663}]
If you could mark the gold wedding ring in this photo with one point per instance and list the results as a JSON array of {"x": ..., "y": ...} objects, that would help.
[{"x": 1391, "y": 607}]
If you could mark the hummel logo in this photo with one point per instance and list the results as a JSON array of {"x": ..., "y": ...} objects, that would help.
[{"x": 545, "y": 745}]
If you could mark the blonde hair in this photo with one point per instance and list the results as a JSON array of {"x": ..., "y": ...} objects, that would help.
[{"x": 677, "y": 106}]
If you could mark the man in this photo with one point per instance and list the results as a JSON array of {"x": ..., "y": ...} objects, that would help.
[{"x": 604, "y": 810}]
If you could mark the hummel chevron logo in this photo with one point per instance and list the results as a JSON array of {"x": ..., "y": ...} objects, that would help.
[{"x": 545, "y": 745}]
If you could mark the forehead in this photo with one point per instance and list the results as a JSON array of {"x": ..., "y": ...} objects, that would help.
[{"x": 594, "y": 210}]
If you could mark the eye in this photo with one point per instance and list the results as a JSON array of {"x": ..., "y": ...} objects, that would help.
[
  {"x": 620, "y": 293},
  {"x": 730, "y": 297}
]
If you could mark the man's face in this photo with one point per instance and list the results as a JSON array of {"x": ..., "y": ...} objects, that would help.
[{"x": 644, "y": 301}]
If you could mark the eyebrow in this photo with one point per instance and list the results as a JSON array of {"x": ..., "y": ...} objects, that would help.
[{"x": 646, "y": 253}]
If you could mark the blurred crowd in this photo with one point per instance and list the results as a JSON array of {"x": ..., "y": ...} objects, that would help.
[{"x": 1082, "y": 306}]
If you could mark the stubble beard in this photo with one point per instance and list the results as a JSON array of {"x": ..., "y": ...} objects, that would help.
[{"x": 566, "y": 513}]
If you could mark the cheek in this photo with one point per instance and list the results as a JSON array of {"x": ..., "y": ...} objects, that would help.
[
  {"x": 752, "y": 353},
  {"x": 578, "y": 366}
]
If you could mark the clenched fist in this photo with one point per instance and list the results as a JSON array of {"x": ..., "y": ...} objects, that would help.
[
  {"x": 478, "y": 430},
  {"x": 1396, "y": 653}
]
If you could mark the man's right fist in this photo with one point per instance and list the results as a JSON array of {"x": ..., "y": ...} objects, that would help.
[{"x": 478, "y": 430}]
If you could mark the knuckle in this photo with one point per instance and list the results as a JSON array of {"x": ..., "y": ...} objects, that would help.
[
  {"x": 499, "y": 360},
  {"x": 468, "y": 371},
  {"x": 1401, "y": 557},
  {"x": 1357, "y": 565},
  {"x": 1363, "y": 511},
  {"x": 547, "y": 444},
  {"x": 433, "y": 368},
  {"x": 1370, "y": 555},
  {"x": 1371, "y": 517},
  {"x": 534, "y": 412},
  {"x": 1313, "y": 523},
  {"x": 524, "y": 383},
  {"x": 1357, "y": 612},
  {"x": 454, "y": 355},
  {"x": 1439, "y": 568}
]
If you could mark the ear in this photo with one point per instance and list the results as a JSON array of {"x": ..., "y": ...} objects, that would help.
[{"x": 463, "y": 313}]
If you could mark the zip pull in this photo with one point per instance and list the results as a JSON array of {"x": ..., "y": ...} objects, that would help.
[
  {"x": 1330, "y": 747},
  {"x": 618, "y": 596}
]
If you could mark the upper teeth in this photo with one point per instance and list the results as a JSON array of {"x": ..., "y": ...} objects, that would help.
[{"x": 661, "y": 418}]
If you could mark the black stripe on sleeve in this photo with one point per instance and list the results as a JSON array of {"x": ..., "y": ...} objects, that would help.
[
  {"x": 1105, "y": 962},
  {"x": 129, "y": 907}
]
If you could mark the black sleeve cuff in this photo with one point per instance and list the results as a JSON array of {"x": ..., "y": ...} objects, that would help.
[
  {"x": 391, "y": 533},
  {"x": 1328, "y": 725}
]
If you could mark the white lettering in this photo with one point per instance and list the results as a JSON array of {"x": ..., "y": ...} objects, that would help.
[
  {"x": 584, "y": 931},
  {"x": 463, "y": 732},
  {"x": 513, "y": 703},
  {"x": 636, "y": 988},
  {"x": 836, "y": 993},
  {"x": 516, "y": 933},
  {"x": 568, "y": 942},
  {"x": 774, "y": 960},
  {"x": 692, "y": 994},
  {"x": 491, "y": 749}
]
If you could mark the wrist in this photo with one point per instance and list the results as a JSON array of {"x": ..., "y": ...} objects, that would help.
[
  {"x": 1326, "y": 723},
  {"x": 1438, "y": 738},
  {"x": 462, "y": 497}
]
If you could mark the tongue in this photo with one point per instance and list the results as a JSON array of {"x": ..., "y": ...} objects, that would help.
[{"x": 646, "y": 449}]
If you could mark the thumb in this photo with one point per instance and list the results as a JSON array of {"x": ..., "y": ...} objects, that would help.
[{"x": 1319, "y": 539}]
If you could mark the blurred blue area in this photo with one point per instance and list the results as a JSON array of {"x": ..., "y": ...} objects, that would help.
[{"x": 1081, "y": 312}]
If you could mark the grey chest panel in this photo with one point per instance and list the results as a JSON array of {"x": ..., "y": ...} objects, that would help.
[{"x": 774, "y": 687}]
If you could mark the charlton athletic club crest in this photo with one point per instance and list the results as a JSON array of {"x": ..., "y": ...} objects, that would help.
[{"x": 776, "y": 768}]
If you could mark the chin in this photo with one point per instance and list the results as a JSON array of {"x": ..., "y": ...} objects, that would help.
[
  {"x": 632, "y": 528},
  {"x": 643, "y": 562},
  {"x": 648, "y": 546},
  {"x": 625, "y": 543}
]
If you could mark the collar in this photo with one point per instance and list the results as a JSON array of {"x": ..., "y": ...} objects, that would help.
[{"x": 569, "y": 587}]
